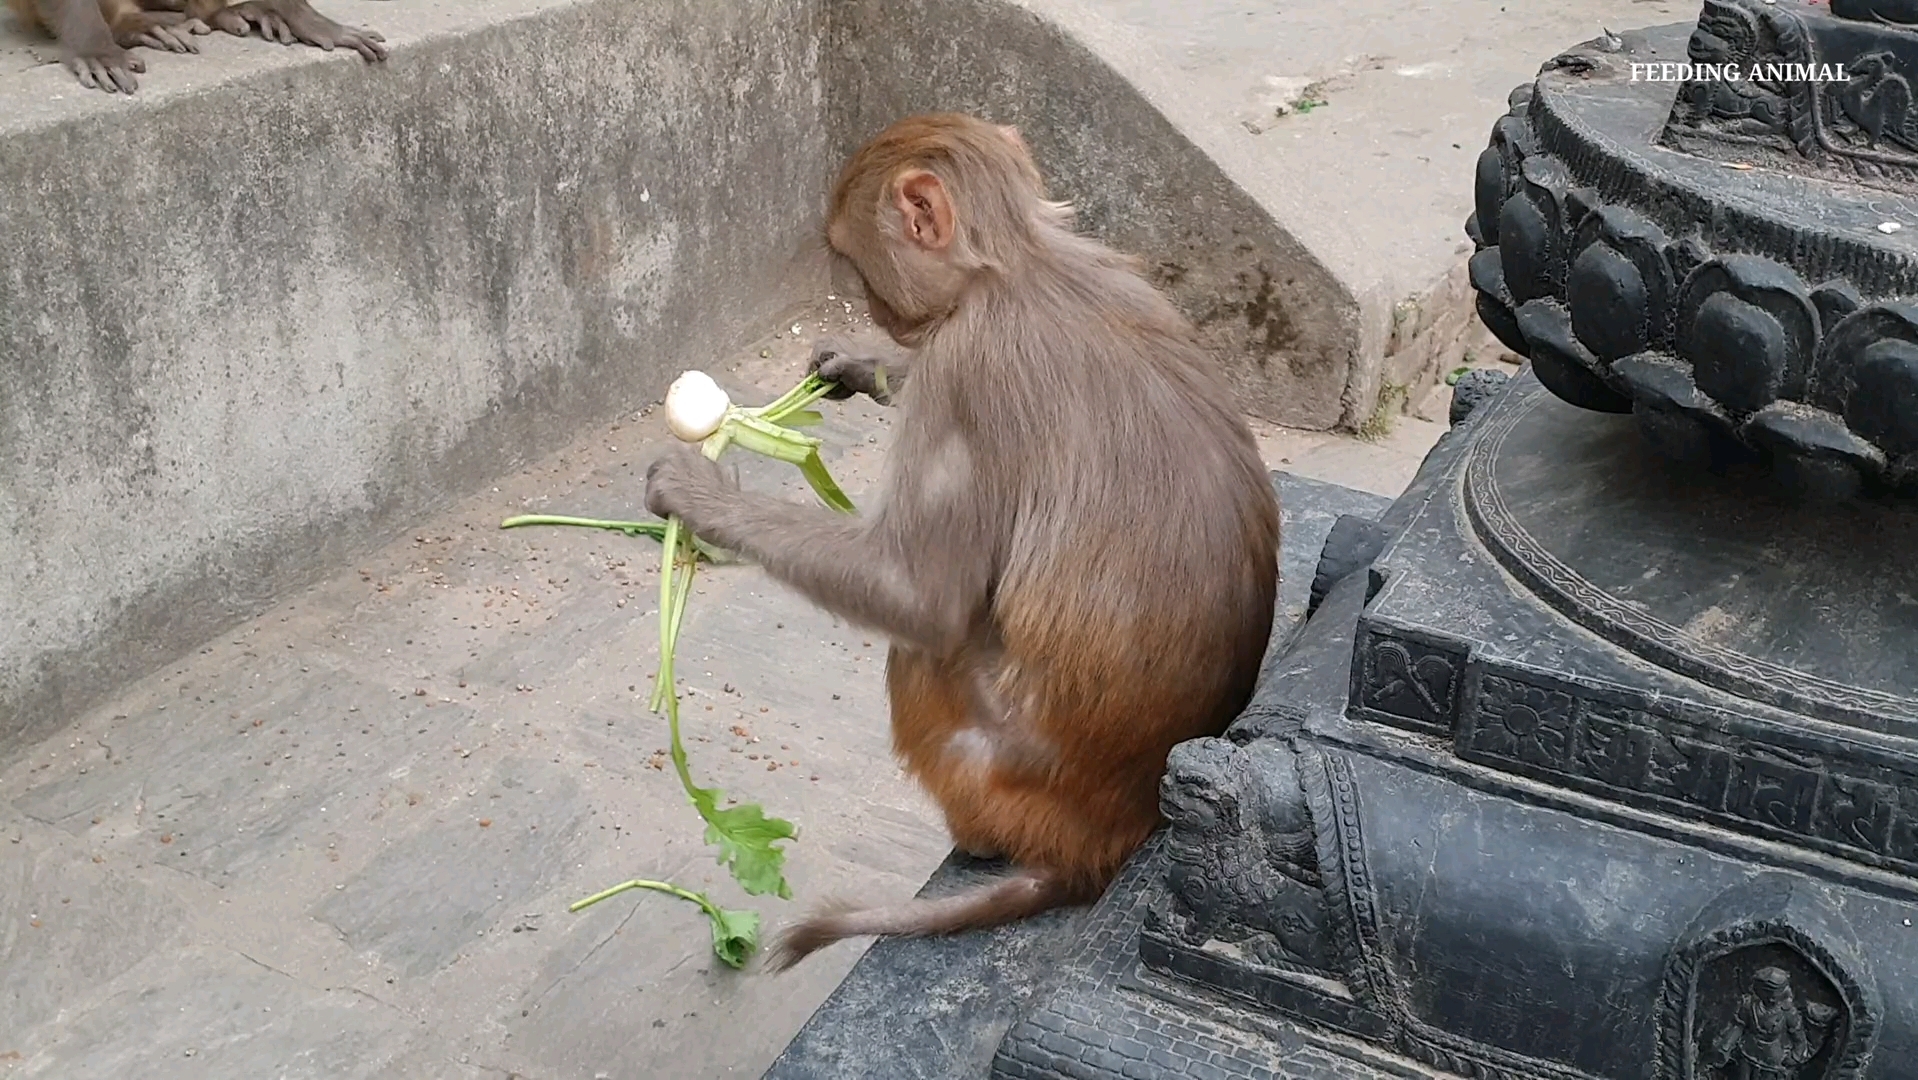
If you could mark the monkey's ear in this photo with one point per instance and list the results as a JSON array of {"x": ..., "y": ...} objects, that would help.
[
  {"x": 1012, "y": 136},
  {"x": 925, "y": 207}
]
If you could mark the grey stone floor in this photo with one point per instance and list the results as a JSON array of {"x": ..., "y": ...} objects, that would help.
[{"x": 339, "y": 840}]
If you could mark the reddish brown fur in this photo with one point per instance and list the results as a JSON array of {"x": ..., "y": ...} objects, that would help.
[{"x": 1076, "y": 550}]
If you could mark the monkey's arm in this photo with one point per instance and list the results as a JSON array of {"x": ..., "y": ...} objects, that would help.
[
  {"x": 873, "y": 369},
  {"x": 840, "y": 562}
]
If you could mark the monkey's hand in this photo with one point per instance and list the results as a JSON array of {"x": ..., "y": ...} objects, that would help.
[
  {"x": 685, "y": 482},
  {"x": 856, "y": 370},
  {"x": 289, "y": 21},
  {"x": 159, "y": 30},
  {"x": 100, "y": 63}
]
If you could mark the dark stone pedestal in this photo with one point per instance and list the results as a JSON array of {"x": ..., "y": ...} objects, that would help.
[{"x": 1605, "y": 767}]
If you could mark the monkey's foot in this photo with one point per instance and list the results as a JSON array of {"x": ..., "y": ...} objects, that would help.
[{"x": 291, "y": 21}]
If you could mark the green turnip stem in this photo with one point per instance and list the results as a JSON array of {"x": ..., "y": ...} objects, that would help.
[
  {"x": 809, "y": 390},
  {"x": 641, "y": 883},
  {"x": 653, "y": 529},
  {"x": 674, "y": 585}
]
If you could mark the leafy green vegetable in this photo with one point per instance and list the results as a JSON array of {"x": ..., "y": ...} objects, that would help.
[
  {"x": 1452, "y": 377},
  {"x": 747, "y": 840},
  {"x": 735, "y": 932}
]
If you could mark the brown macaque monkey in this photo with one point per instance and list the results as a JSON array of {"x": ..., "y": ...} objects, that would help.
[
  {"x": 94, "y": 36},
  {"x": 1075, "y": 554}
]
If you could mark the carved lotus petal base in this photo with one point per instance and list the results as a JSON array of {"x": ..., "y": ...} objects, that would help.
[{"x": 1711, "y": 301}]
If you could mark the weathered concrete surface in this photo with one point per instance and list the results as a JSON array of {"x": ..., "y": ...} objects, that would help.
[
  {"x": 280, "y": 304},
  {"x": 338, "y": 840},
  {"x": 1325, "y": 251}
]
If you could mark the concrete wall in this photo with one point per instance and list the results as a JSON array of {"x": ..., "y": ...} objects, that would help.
[
  {"x": 280, "y": 306},
  {"x": 1079, "y": 88},
  {"x": 254, "y": 325}
]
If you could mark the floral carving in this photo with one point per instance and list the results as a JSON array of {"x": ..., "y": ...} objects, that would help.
[
  {"x": 1524, "y": 723},
  {"x": 1532, "y": 231},
  {"x": 1868, "y": 374}
]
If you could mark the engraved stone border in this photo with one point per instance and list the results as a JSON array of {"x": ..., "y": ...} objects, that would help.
[
  {"x": 1394, "y": 671},
  {"x": 1692, "y": 762}
]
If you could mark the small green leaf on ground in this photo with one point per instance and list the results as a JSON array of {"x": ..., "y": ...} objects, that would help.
[{"x": 735, "y": 932}]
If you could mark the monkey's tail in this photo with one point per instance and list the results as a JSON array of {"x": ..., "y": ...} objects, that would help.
[{"x": 1025, "y": 893}]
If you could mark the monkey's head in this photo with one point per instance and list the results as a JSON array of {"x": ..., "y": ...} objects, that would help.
[{"x": 928, "y": 206}]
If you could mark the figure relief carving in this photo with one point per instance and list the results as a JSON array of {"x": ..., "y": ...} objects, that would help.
[
  {"x": 1244, "y": 869},
  {"x": 1874, "y": 104},
  {"x": 1763, "y": 1000},
  {"x": 1815, "y": 99},
  {"x": 1731, "y": 33},
  {"x": 1770, "y": 1034}
]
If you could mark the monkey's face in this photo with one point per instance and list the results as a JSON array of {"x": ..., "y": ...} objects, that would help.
[
  {"x": 897, "y": 215},
  {"x": 850, "y": 280}
]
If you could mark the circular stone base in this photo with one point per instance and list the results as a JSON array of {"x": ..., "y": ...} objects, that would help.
[{"x": 1717, "y": 578}]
